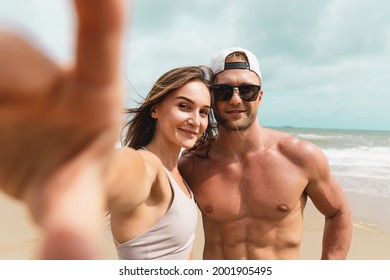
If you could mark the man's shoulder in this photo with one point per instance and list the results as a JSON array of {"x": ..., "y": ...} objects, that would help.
[
  {"x": 299, "y": 151},
  {"x": 199, "y": 151},
  {"x": 190, "y": 158}
]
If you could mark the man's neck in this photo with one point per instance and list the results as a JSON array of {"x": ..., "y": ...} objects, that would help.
[{"x": 237, "y": 143}]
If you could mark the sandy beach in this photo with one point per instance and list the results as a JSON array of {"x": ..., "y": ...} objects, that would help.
[{"x": 20, "y": 238}]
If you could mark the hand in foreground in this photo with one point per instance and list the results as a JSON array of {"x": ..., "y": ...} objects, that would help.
[{"x": 58, "y": 127}]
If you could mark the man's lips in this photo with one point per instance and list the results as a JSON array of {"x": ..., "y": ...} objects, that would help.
[{"x": 235, "y": 111}]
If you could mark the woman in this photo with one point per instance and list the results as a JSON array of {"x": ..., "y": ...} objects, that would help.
[{"x": 162, "y": 221}]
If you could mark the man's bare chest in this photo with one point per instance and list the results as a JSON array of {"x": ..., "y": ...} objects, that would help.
[{"x": 252, "y": 189}]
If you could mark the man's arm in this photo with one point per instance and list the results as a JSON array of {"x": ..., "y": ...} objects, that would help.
[{"x": 328, "y": 197}]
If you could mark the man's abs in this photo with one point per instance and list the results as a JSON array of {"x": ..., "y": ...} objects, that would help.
[{"x": 248, "y": 239}]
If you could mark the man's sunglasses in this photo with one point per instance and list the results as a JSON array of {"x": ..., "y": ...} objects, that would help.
[{"x": 224, "y": 92}]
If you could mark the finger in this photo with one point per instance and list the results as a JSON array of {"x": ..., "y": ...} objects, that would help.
[
  {"x": 99, "y": 39},
  {"x": 24, "y": 70}
]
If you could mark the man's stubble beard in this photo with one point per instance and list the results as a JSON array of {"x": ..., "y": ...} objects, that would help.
[{"x": 240, "y": 125}]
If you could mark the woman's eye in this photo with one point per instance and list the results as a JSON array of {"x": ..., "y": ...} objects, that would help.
[
  {"x": 204, "y": 112},
  {"x": 184, "y": 106}
]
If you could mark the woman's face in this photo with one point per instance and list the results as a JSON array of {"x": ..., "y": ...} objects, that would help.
[{"x": 182, "y": 116}]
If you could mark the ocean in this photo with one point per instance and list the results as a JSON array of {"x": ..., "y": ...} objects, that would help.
[{"x": 360, "y": 160}]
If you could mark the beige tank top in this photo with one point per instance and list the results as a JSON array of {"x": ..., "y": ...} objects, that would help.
[{"x": 172, "y": 237}]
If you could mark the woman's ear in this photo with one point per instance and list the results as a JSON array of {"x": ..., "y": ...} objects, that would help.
[{"x": 153, "y": 112}]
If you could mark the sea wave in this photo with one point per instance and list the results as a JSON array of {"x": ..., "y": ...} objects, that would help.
[
  {"x": 359, "y": 156},
  {"x": 308, "y": 136},
  {"x": 372, "y": 186}
]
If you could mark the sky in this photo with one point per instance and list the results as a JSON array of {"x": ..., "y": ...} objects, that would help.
[{"x": 325, "y": 64}]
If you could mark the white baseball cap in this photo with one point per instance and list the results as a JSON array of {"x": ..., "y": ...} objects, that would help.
[{"x": 218, "y": 63}]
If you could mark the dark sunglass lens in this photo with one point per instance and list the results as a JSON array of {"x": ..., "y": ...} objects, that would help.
[
  {"x": 249, "y": 92},
  {"x": 223, "y": 92}
]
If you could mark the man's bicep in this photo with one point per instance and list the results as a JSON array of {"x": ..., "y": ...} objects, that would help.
[
  {"x": 323, "y": 188},
  {"x": 326, "y": 194}
]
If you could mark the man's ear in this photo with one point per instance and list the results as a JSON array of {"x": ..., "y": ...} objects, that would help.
[{"x": 260, "y": 97}]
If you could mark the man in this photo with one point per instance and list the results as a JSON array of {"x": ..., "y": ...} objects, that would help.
[
  {"x": 252, "y": 183},
  {"x": 58, "y": 128}
]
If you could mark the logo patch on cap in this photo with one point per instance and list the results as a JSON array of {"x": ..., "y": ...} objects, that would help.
[
  {"x": 236, "y": 65},
  {"x": 218, "y": 61}
]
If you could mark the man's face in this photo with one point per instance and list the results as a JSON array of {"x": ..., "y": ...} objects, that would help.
[{"x": 236, "y": 114}]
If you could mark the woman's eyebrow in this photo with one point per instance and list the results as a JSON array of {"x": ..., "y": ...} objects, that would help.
[
  {"x": 190, "y": 100},
  {"x": 185, "y": 98}
]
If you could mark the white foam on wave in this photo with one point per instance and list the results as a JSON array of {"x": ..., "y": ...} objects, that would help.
[
  {"x": 364, "y": 170},
  {"x": 359, "y": 156},
  {"x": 309, "y": 136}
]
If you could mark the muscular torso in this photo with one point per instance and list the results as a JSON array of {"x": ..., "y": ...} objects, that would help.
[{"x": 252, "y": 206}]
